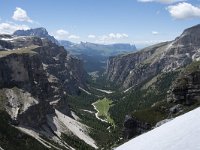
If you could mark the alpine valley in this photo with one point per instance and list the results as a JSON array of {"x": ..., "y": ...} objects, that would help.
[{"x": 62, "y": 95}]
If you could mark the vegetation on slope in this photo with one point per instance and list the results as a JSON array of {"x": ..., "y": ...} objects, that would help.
[
  {"x": 12, "y": 139},
  {"x": 103, "y": 106},
  {"x": 141, "y": 99}
]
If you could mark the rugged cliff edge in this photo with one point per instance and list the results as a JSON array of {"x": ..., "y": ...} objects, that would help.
[
  {"x": 36, "y": 76},
  {"x": 157, "y": 83},
  {"x": 132, "y": 69}
]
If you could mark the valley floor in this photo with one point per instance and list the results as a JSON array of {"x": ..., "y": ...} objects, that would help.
[{"x": 102, "y": 107}]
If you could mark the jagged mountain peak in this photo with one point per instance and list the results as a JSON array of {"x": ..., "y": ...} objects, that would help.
[
  {"x": 38, "y": 32},
  {"x": 190, "y": 36},
  {"x": 193, "y": 29},
  {"x": 35, "y": 32}
]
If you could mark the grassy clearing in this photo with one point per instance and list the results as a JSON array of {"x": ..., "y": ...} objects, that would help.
[
  {"x": 103, "y": 106},
  {"x": 28, "y": 50}
]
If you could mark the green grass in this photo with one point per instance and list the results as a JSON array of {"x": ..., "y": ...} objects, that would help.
[
  {"x": 103, "y": 106},
  {"x": 27, "y": 50},
  {"x": 194, "y": 66}
]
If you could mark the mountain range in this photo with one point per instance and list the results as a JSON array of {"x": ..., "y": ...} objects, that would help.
[
  {"x": 49, "y": 101},
  {"x": 93, "y": 55}
]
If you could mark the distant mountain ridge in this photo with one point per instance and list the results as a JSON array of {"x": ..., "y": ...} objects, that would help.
[
  {"x": 162, "y": 57},
  {"x": 38, "y": 32},
  {"x": 94, "y": 55},
  {"x": 105, "y": 49}
]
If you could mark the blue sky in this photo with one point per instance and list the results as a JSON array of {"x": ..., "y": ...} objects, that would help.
[{"x": 141, "y": 22}]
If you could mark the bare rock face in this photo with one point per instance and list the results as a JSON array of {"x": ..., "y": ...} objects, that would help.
[
  {"x": 37, "y": 32},
  {"x": 132, "y": 69},
  {"x": 133, "y": 127},
  {"x": 35, "y": 77},
  {"x": 186, "y": 88}
]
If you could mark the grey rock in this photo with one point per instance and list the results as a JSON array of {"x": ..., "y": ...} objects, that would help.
[
  {"x": 175, "y": 109},
  {"x": 39, "y": 74},
  {"x": 37, "y": 32},
  {"x": 133, "y": 127},
  {"x": 132, "y": 69}
]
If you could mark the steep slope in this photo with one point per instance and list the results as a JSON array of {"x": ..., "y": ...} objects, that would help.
[
  {"x": 36, "y": 76},
  {"x": 181, "y": 133},
  {"x": 158, "y": 83},
  {"x": 96, "y": 55},
  {"x": 132, "y": 69}
]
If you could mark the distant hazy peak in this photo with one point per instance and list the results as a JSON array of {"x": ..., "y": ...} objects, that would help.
[{"x": 39, "y": 32}]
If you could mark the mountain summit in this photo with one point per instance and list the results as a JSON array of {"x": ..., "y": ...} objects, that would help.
[{"x": 38, "y": 32}]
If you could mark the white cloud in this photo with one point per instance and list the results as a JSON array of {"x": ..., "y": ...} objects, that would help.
[
  {"x": 184, "y": 11},
  {"x": 145, "y": 43},
  {"x": 61, "y": 34},
  {"x": 74, "y": 37},
  {"x": 64, "y": 35},
  {"x": 21, "y": 15},
  {"x": 112, "y": 37},
  {"x": 9, "y": 28},
  {"x": 162, "y": 1},
  {"x": 155, "y": 32},
  {"x": 91, "y": 36}
]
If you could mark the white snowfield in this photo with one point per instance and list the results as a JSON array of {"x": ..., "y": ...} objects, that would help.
[{"x": 182, "y": 133}]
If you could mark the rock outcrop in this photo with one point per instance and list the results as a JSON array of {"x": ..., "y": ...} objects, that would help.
[
  {"x": 37, "y": 32},
  {"x": 35, "y": 77},
  {"x": 186, "y": 89},
  {"x": 134, "y": 127},
  {"x": 133, "y": 69}
]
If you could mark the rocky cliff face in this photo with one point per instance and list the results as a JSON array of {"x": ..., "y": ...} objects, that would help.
[
  {"x": 134, "y": 127},
  {"x": 185, "y": 91},
  {"x": 96, "y": 55},
  {"x": 132, "y": 69},
  {"x": 35, "y": 77},
  {"x": 37, "y": 32}
]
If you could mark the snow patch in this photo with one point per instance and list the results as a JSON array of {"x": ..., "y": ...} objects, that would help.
[
  {"x": 84, "y": 90},
  {"x": 182, "y": 133},
  {"x": 105, "y": 91},
  {"x": 158, "y": 124},
  {"x": 127, "y": 89},
  {"x": 91, "y": 112},
  {"x": 54, "y": 102}
]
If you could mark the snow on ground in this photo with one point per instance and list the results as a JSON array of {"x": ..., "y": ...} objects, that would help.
[
  {"x": 78, "y": 129},
  {"x": 105, "y": 91},
  {"x": 182, "y": 133},
  {"x": 89, "y": 111},
  {"x": 84, "y": 90},
  {"x": 128, "y": 89}
]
